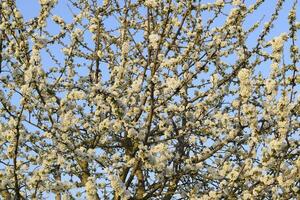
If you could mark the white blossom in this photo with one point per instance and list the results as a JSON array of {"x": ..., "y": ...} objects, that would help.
[
  {"x": 152, "y": 3},
  {"x": 154, "y": 39}
]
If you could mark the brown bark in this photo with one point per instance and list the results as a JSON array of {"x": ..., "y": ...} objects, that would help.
[{"x": 84, "y": 165}]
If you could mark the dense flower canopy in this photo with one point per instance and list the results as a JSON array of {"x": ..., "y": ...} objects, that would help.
[{"x": 150, "y": 99}]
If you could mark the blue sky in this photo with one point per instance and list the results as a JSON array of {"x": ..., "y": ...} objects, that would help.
[{"x": 30, "y": 9}]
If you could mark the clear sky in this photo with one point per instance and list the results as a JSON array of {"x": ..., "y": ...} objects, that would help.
[{"x": 30, "y": 9}]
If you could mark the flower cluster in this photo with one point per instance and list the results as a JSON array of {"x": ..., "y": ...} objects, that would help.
[
  {"x": 277, "y": 46},
  {"x": 245, "y": 86},
  {"x": 154, "y": 39}
]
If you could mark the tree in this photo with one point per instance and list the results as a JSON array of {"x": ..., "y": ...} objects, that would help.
[{"x": 149, "y": 99}]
